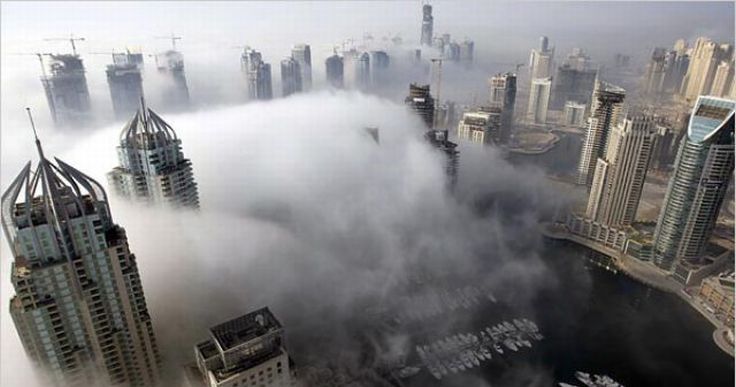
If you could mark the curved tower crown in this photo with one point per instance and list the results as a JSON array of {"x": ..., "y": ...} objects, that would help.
[
  {"x": 147, "y": 130},
  {"x": 50, "y": 194},
  {"x": 709, "y": 117}
]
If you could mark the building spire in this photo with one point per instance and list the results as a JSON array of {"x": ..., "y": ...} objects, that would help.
[{"x": 35, "y": 135}]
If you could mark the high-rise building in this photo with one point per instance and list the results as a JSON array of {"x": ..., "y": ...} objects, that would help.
[
  {"x": 356, "y": 69},
  {"x": 480, "y": 126},
  {"x": 440, "y": 140},
  {"x": 572, "y": 84},
  {"x": 427, "y": 21},
  {"x": 78, "y": 307},
  {"x": 302, "y": 53},
  {"x": 539, "y": 96},
  {"x": 676, "y": 65},
  {"x": 334, "y": 71},
  {"x": 126, "y": 84},
  {"x": 467, "y": 52},
  {"x": 574, "y": 114},
  {"x": 503, "y": 95},
  {"x": 606, "y": 108},
  {"x": 170, "y": 64},
  {"x": 723, "y": 79},
  {"x": 249, "y": 350},
  {"x": 540, "y": 60},
  {"x": 452, "y": 51},
  {"x": 379, "y": 62},
  {"x": 66, "y": 90},
  {"x": 422, "y": 103},
  {"x": 665, "y": 149},
  {"x": 291, "y": 77},
  {"x": 654, "y": 78},
  {"x": 257, "y": 73},
  {"x": 619, "y": 175},
  {"x": 705, "y": 57},
  {"x": 697, "y": 188},
  {"x": 152, "y": 165}
]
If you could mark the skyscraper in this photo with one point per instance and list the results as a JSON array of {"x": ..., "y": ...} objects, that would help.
[
  {"x": 619, "y": 175},
  {"x": 427, "y": 21},
  {"x": 467, "y": 52},
  {"x": 606, "y": 107},
  {"x": 257, "y": 74},
  {"x": 503, "y": 95},
  {"x": 379, "y": 62},
  {"x": 78, "y": 306},
  {"x": 540, "y": 60},
  {"x": 152, "y": 165},
  {"x": 676, "y": 63},
  {"x": 291, "y": 77},
  {"x": 66, "y": 90},
  {"x": 703, "y": 169},
  {"x": 421, "y": 102},
  {"x": 249, "y": 350},
  {"x": 176, "y": 92},
  {"x": 302, "y": 53},
  {"x": 723, "y": 79},
  {"x": 704, "y": 59},
  {"x": 126, "y": 84},
  {"x": 440, "y": 140},
  {"x": 539, "y": 96},
  {"x": 572, "y": 84},
  {"x": 480, "y": 126},
  {"x": 334, "y": 71}
]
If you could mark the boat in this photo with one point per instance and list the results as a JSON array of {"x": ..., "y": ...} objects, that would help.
[
  {"x": 408, "y": 371},
  {"x": 485, "y": 352},
  {"x": 466, "y": 360},
  {"x": 498, "y": 348},
  {"x": 474, "y": 357},
  {"x": 510, "y": 344}
]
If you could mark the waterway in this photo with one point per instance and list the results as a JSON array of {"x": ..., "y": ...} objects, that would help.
[{"x": 600, "y": 322}]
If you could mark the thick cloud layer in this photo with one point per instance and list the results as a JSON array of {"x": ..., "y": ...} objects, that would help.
[{"x": 302, "y": 211}]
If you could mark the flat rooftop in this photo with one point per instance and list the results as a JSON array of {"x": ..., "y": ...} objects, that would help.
[{"x": 245, "y": 328}]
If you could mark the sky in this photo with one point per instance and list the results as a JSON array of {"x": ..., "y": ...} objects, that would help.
[{"x": 296, "y": 200}]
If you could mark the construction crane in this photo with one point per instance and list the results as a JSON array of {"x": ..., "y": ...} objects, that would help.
[
  {"x": 173, "y": 38},
  {"x": 71, "y": 39},
  {"x": 40, "y": 56},
  {"x": 438, "y": 61}
]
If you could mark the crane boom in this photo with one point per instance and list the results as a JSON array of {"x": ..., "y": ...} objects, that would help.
[
  {"x": 71, "y": 39},
  {"x": 173, "y": 38}
]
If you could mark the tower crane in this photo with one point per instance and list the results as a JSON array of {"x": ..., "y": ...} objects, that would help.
[
  {"x": 173, "y": 38},
  {"x": 71, "y": 39},
  {"x": 40, "y": 56}
]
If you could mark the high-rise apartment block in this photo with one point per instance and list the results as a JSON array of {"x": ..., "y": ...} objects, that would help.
[
  {"x": 697, "y": 188},
  {"x": 440, "y": 140},
  {"x": 291, "y": 77},
  {"x": 249, "y": 350},
  {"x": 66, "y": 90},
  {"x": 574, "y": 114},
  {"x": 705, "y": 57},
  {"x": 302, "y": 53},
  {"x": 334, "y": 71},
  {"x": 257, "y": 74},
  {"x": 606, "y": 108},
  {"x": 152, "y": 165},
  {"x": 619, "y": 175},
  {"x": 126, "y": 84},
  {"x": 539, "y": 97},
  {"x": 572, "y": 84},
  {"x": 503, "y": 96},
  {"x": 170, "y": 64},
  {"x": 78, "y": 306},
  {"x": 723, "y": 80}
]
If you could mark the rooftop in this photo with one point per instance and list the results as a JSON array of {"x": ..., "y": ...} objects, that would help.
[
  {"x": 242, "y": 329},
  {"x": 710, "y": 114}
]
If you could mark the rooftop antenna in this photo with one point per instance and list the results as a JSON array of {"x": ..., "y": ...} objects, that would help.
[
  {"x": 71, "y": 39},
  {"x": 35, "y": 135},
  {"x": 173, "y": 38}
]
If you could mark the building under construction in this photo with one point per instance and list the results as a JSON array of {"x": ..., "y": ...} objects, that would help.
[
  {"x": 66, "y": 90},
  {"x": 126, "y": 83},
  {"x": 421, "y": 102},
  {"x": 440, "y": 139},
  {"x": 170, "y": 64}
]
